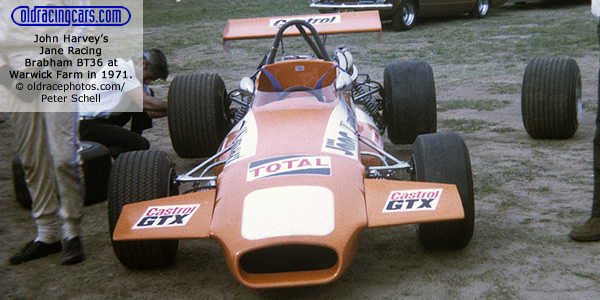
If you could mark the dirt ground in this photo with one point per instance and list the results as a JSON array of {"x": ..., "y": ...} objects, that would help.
[{"x": 529, "y": 195}]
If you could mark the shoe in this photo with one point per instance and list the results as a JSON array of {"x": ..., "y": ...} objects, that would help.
[
  {"x": 588, "y": 232},
  {"x": 34, "y": 250},
  {"x": 73, "y": 251}
]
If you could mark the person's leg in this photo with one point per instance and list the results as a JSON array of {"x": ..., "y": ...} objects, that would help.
[
  {"x": 32, "y": 147},
  {"x": 596, "y": 201},
  {"x": 117, "y": 139},
  {"x": 590, "y": 230},
  {"x": 140, "y": 122},
  {"x": 64, "y": 146},
  {"x": 596, "y": 158}
]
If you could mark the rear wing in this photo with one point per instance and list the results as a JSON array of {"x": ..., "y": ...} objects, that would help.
[{"x": 335, "y": 23}]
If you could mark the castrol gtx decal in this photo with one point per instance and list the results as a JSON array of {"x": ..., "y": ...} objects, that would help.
[
  {"x": 166, "y": 216},
  {"x": 340, "y": 136},
  {"x": 412, "y": 200},
  {"x": 289, "y": 165},
  {"x": 245, "y": 142}
]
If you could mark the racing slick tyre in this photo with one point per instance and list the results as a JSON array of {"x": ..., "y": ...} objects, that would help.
[
  {"x": 551, "y": 101},
  {"x": 97, "y": 163},
  {"x": 96, "y": 169},
  {"x": 405, "y": 16},
  {"x": 197, "y": 114},
  {"x": 139, "y": 176},
  {"x": 410, "y": 102},
  {"x": 444, "y": 158},
  {"x": 481, "y": 9}
]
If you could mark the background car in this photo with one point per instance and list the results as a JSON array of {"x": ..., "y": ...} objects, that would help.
[{"x": 403, "y": 13}]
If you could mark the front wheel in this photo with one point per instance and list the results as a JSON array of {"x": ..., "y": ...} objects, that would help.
[
  {"x": 410, "y": 101},
  {"x": 139, "y": 176},
  {"x": 405, "y": 16},
  {"x": 444, "y": 158},
  {"x": 197, "y": 114}
]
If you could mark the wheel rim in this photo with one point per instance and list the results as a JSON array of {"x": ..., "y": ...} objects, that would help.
[
  {"x": 484, "y": 6},
  {"x": 408, "y": 14}
]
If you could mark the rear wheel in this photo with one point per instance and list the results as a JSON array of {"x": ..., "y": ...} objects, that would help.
[
  {"x": 97, "y": 163},
  {"x": 96, "y": 169},
  {"x": 444, "y": 158},
  {"x": 410, "y": 102},
  {"x": 551, "y": 101},
  {"x": 139, "y": 176},
  {"x": 405, "y": 16},
  {"x": 197, "y": 114}
]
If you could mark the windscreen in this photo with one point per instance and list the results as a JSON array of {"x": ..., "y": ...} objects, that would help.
[{"x": 297, "y": 95}]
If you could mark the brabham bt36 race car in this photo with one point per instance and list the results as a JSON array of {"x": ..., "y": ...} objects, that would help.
[{"x": 297, "y": 167}]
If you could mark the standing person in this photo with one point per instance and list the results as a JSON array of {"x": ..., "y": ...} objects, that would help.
[
  {"x": 47, "y": 143},
  {"x": 104, "y": 124},
  {"x": 590, "y": 230}
]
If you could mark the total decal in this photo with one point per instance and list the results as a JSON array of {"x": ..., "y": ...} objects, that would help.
[
  {"x": 313, "y": 20},
  {"x": 289, "y": 165},
  {"x": 166, "y": 216},
  {"x": 245, "y": 142},
  {"x": 412, "y": 200},
  {"x": 340, "y": 136}
]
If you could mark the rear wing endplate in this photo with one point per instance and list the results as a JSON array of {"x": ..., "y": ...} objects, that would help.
[{"x": 334, "y": 23}]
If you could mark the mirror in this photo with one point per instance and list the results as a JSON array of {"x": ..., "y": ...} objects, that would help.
[
  {"x": 343, "y": 82},
  {"x": 247, "y": 86}
]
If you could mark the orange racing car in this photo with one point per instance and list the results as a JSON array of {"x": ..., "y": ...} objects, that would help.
[{"x": 296, "y": 165}]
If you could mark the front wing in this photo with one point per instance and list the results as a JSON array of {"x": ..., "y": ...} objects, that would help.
[
  {"x": 388, "y": 203},
  {"x": 391, "y": 202}
]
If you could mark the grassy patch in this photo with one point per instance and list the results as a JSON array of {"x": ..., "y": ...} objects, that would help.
[
  {"x": 479, "y": 105},
  {"x": 485, "y": 184},
  {"x": 590, "y": 106},
  {"x": 465, "y": 125},
  {"x": 505, "y": 87}
]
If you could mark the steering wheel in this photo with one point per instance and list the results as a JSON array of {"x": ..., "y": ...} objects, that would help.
[{"x": 300, "y": 88}]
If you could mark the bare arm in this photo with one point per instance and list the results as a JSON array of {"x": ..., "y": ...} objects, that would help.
[{"x": 154, "y": 107}]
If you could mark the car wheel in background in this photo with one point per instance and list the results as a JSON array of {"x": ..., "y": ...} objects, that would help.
[
  {"x": 96, "y": 169},
  {"x": 481, "y": 9},
  {"x": 405, "y": 16},
  {"x": 139, "y": 176},
  {"x": 197, "y": 114},
  {"x": 551, "y": 101},
  {"x": 444, "y": 158},
  {"x": 410, "y": 101}
]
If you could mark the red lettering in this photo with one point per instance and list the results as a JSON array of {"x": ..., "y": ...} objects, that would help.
[
  {"x": 289, "y": 162},
  {"x": 273, "y": 167},
  {"x": 320, "y": 164},
  {"x": 304, "y": 162},
  {"x": 257, "y": 171}
]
